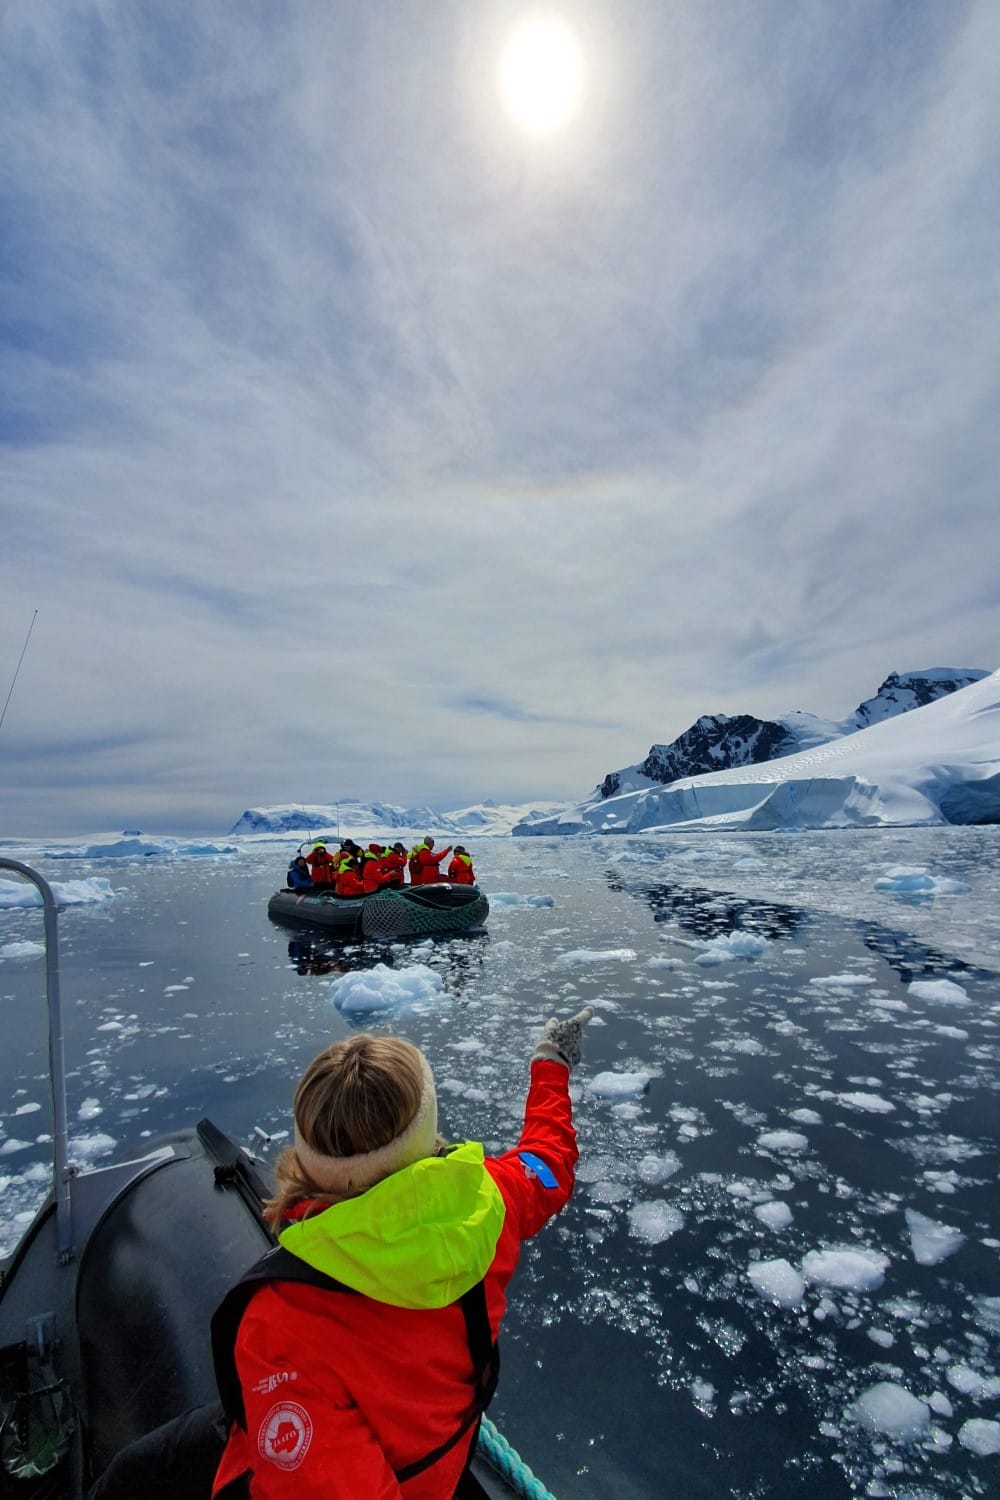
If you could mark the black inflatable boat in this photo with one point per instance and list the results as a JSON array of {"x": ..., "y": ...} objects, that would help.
[
  {"x": 404, "y": 912},
  {"x": 106, "y": 1302}
]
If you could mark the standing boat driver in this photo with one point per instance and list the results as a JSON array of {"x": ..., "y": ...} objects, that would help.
[
  {"x": 299, "y": 878},
  {"x": 460, "y": 871},
  {"x": 428, "y": 862},
  {"x": 321, "y": 864}
]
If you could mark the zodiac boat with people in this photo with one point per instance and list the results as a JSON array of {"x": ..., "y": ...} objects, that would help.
[
  {"x": 396, "y": 912},
  {"x": 106, "y": 1302}
]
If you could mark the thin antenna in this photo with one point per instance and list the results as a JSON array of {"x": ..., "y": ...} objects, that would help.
[{"x": 17, "y": 669}]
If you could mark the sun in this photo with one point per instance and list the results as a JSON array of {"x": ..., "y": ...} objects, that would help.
[{"x": 541, "y": 74}]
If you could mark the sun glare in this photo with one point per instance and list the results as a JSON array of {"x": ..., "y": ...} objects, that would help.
[{"x": 541, "y": 74}]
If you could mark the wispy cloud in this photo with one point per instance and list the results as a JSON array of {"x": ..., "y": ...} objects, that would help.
[{"x": 339, "y": 419}]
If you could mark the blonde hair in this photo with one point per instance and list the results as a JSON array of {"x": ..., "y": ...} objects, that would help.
[{"x": 354, "y": 1098}]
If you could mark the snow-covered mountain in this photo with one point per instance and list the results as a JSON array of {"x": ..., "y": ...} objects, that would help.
[
  {"x": 938, "y": 763},
  {"x": 718, "y": 742},
  {"x": 357, "y": 819}
]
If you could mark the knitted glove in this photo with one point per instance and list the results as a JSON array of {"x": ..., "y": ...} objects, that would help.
[{"x": 560, "y": 1040}]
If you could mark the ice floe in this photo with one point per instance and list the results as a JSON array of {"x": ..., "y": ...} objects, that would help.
[
  {"x": 597, "y": 956},
  {"x": 385, "y": 991},
  {"x": 791, "y": 1141},
  {"x": 21, "y": 950},
  {"x": 15, "y": 893},
  {"x": 891, "y": 1411},
  {"x": 654, "y": 1222},
  {"x": 144, "y": 848},
  {"x": 930, "y": 1241},
  {"x": 512, "y": 898},
  {"x": 777, "y": 1281},
  {"x": 914, "y": 880},
  {"x": 729, "y": 946},
  {"x": 980, "y": 1436},
  {"x": 619, "y": 1085},
  {"x": 845, "y": 1268},
  {"x": 943, "y": 991}
]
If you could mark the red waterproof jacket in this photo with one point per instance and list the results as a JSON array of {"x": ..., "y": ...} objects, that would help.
[
  {"x": 427, "y": 865},
  {"x": 321, "y": 866},
  {"x": 348, "y": 882},
  {"x": 371, "y": 871},
  {"x": 460, "y": 871},
  {"x": 342, "y": 1390},
  {"x": 393, "y": 867}
]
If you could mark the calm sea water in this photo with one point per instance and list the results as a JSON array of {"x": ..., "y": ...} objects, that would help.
[{"x": 638, "y": 1359}]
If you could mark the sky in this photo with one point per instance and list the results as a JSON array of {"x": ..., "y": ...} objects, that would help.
[{"x": 358, "y": 438}]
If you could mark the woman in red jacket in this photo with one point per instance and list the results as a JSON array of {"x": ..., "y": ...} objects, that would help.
[{"x": 372, "y": 1384}]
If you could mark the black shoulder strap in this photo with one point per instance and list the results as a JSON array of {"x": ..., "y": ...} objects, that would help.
[
  {"x": 485, "y": 1374},
  {"x": 280, "y": 1264}
]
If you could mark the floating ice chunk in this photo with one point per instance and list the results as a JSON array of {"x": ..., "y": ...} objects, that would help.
[
  {"x": 89, "y": 1109},
  {"x": 944, "y": 991},
  {"x": 841, "y": 981},
  {"x": 889, "y": 1409},
  {"x": 914, "y": 880},
  {"x": 930, "y": 1241},
  {"x": 872, "y": 1104},
  {"x": 777, "y": 1281},
  {"x": 67, "y": 893},
  {"x": 86, "y": 1148},
  {"x": 782, "y": 1140},
  {"x": 806, "y": 1117},
  {"x": 22, "y": 950},
  {"x": 654, "y": 1222},
  {"x": 606, "y": 1191},
  {"x": 513, "y": 898},
  {"x": 987, "y": 1313},
  {"x": 386, "y": 991},
  {"x": 656, "y": 1169},
  {"x": 973, "y": 1383},
  {"x": 732, "y": 945},
  {"x": 619, "y": 1085},
  {"x": 10, "y": 1146},
  {"x": 597, "y": 955},
  {"x": 657, "y": 962},
  {"x": 27, "y": 1109},
  {"x": 110, "y": 1026},
  {"x": 775, "y": 1215},
  {"x": 884, "y": 1339},
  {"x": 846, "y": 1268},
  {"x": 980, "y": 1436}
]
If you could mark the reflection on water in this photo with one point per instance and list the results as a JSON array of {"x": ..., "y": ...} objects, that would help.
[{"x": 798, "y": 1099}]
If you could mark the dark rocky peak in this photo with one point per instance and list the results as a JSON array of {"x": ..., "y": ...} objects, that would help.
[
  {"x": 717, "y": 742},
  {"x": 902, "y": 691}
]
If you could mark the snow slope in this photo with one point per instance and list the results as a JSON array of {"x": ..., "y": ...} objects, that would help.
[{"x": 936, "y": 764}]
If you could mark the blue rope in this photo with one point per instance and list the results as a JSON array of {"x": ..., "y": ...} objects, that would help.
[{"x": 509, "y": 1464}]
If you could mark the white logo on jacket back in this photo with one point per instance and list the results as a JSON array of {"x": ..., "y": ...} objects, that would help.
[{"x": 284, "y": 1436}]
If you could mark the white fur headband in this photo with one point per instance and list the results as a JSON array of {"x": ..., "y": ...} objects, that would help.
[{"x": 352, "y": 1174}]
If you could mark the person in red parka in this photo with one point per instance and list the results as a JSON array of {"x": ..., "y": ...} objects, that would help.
[
  {"x": 371, "y": 868},
  {"x": 347, "y": 881},
  {"x": 369, "y": 1388},
  {"x": 320, "y": 865},
  {"x": 427, "y": 863},
  {"x": 460, "y": 871},
  {"x": 394, "y": 865}
]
